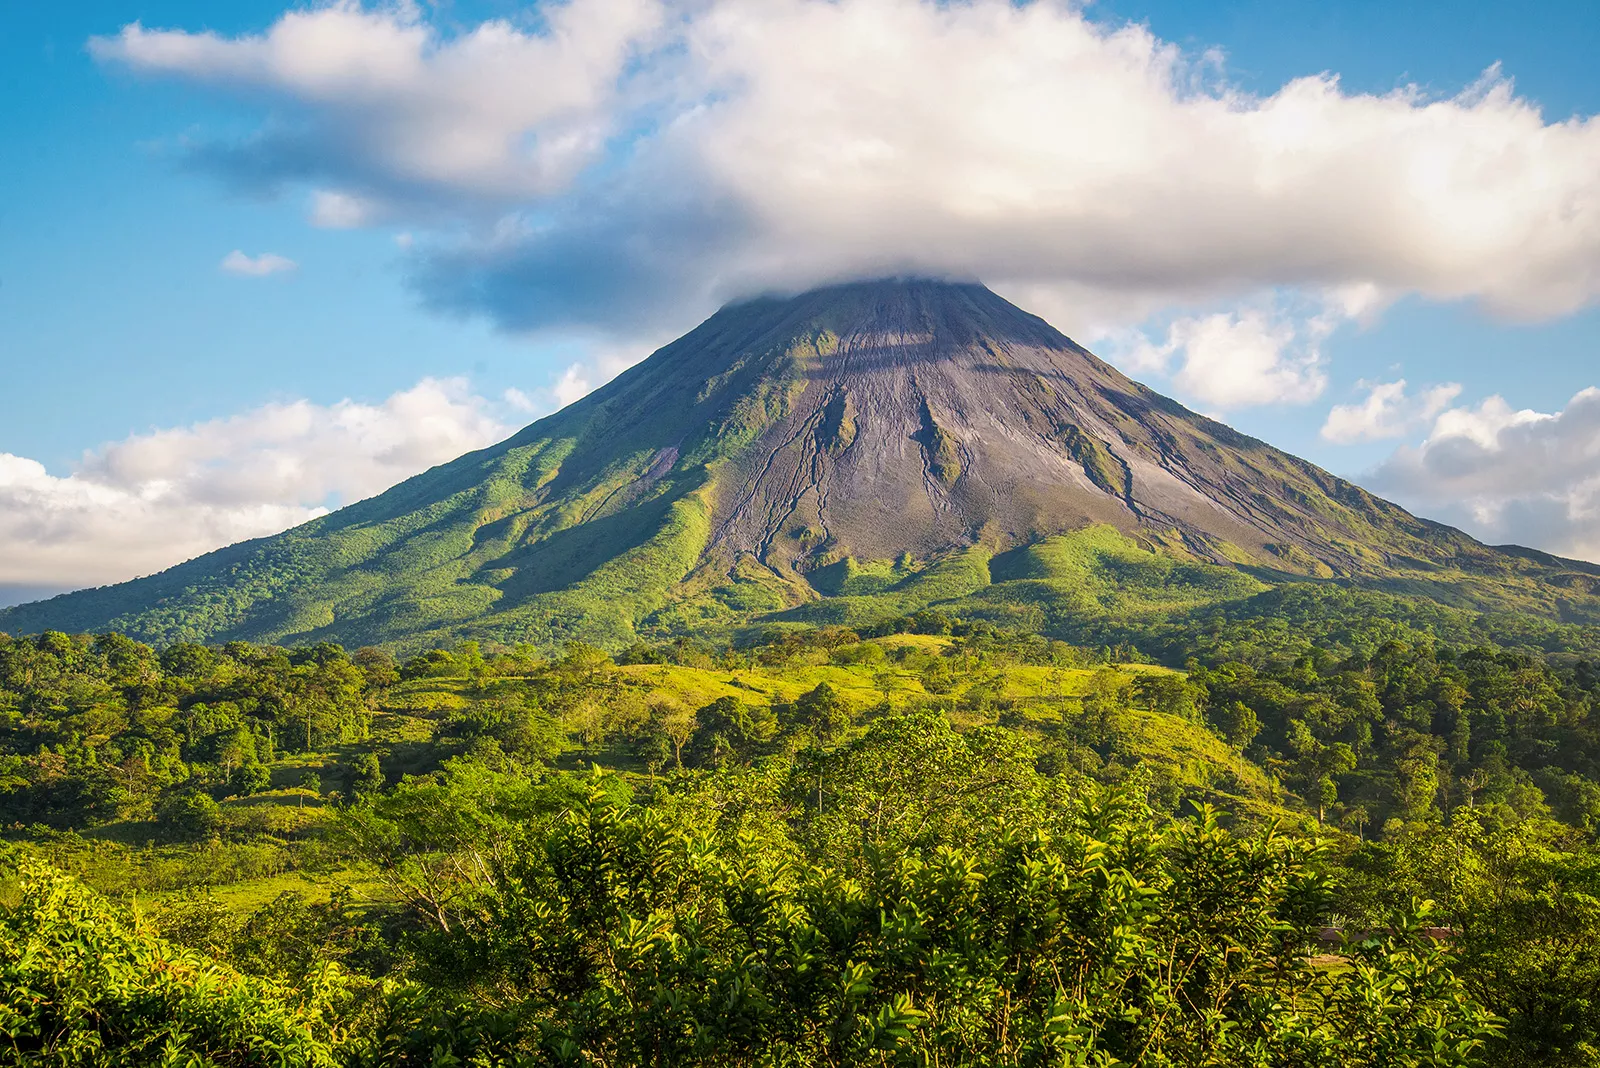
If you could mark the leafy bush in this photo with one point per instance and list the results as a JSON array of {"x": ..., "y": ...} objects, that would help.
[
  {"x": 81, "y": 987},
  {"x": 189, "y": 815},
  {"x": 617, "y": 937}
]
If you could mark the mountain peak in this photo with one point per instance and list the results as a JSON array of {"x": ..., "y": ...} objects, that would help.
[
  {"x": 967, "y": 308},
  {"x": 888, "y": 288},
  {"x": 872, "y": 426}
]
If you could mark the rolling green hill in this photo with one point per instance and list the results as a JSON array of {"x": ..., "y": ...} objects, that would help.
[{"x": 852, "y": 453}]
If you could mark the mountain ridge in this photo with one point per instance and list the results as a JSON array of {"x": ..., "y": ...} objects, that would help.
[{"x": 873, "y": 425}]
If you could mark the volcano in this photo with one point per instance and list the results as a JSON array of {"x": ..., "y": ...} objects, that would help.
[{"x": 855, "y": 442}]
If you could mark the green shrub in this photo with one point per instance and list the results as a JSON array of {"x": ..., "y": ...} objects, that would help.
[
  {"x": 81, "y": 987},
  {"x": 190, "y": 815},
  {"x": 618, "y": 938}
]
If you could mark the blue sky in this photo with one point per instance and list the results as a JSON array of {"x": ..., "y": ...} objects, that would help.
[
  {"x": 464, "y": 299},
  {"x": 114, "y": 314}
]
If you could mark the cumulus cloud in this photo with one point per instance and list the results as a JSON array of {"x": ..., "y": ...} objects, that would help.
[
  {"x": 629, "y": 163},
  {"x": 574, "y": 383},
  {"x": 385, "y": 103},
  {"x": 1507, "y": 475},
  {"x": 153, "y": 500},
  {"x": 236, "y": 262},
  {"x": 600, "y": 366},
  {"x": 1234, "y": 359},
  {"x": 1388, "y": 412}
]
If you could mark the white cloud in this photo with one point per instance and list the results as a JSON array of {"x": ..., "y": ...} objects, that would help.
[
  {"x": 1505, "y": 475},
  {"x": 1257, "y": 354},
  {"x": 599, "y": 367},
  {"x": 1237, "y": 360},
  {"x": 519, "y": 401},
  {"x": 1388, "y": 412},
  {"x": 651, "y": 158},
  {"x": 387, "y": 102},
  {"x": 236, "y": 262},
  {"x": 573, "y": 384},
  {"x": 152, "y": 500},
  {"x": 332, "y": 210}
]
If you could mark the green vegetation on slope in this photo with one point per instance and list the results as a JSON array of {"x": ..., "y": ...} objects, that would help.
[
  {"x": 821, "y": 459},
  {"x": 579, "y": 526}
]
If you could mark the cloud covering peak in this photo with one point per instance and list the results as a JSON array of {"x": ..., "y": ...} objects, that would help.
[{"x": 627, "y": 164}]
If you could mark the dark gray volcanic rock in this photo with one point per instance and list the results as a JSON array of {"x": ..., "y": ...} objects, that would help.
[{"x": 930, "y": 415}]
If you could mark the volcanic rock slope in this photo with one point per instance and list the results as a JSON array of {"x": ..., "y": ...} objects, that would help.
[{"x": 850, "y": 438}]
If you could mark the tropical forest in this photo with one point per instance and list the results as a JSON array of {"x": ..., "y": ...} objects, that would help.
[{"x": 1360, "y": 840}]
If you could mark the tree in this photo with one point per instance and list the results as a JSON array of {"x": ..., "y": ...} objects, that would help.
[
  {"x": 190, "y": 815},
  {"x": 1315, "y": 764},
  {"x": 309, "y": 781},
  {"x": 433, "y": 838},
  {"x": 1357, "y": 816},
  {"x": 234, "y": 747},
  {"x": 1236, "y": 723},
  {"x": 1530, "y": 950},
  {"x": 589, "y": 719},
  {"x": 910, "y": 779},
  {"x": 435, "y": 663},
  {"x": 1106, "y": 695},
  {"x": 727, "y": 731},
  {"x": 249, "y": 778},
  {"x": 1417, "y": 783},
  {"x": 1525, "y": 913},
  {"x": 521, "y": 727},
  {"x": 377, "y": 666},
  {"x": 616, "y": 936},
  {"x": 327, "y": 695},
  {"x": 668, "y": 727},
  {"x": 822, "y": 714},
  {"x": 1169, "y": 694},
  {"x": 364, "y": 774},
  {"x": 583, "y": 664}
]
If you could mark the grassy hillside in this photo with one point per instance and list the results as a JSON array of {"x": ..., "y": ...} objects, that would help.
[{"x": 109, "y": 825}]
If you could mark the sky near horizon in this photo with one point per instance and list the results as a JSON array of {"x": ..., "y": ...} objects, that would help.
[{"x": 260, "y": 261}]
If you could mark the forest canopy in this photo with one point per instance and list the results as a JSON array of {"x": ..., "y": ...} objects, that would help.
[{"x": 927, "y": 841}]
